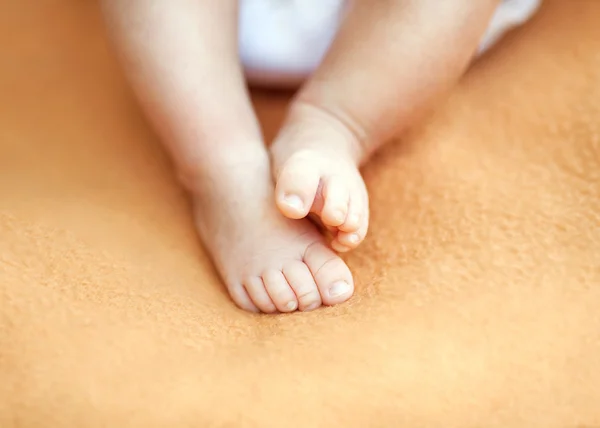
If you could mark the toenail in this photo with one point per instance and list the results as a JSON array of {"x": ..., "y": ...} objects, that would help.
[
  {"x": 291, "y": 306},
  {"x": 312, "y": 306},
  {"x": 294, "y": 201},
  {"x": 339, "y": 288},
  {"x": 354, "y": 238}
]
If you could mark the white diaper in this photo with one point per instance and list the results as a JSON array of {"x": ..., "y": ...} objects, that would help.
[{"x": 283, "y": 41}]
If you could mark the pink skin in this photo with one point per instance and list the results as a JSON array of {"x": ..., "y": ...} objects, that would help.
[{"x": 181, "y": 59}]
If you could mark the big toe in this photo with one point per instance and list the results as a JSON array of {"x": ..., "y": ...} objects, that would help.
[
  {"x": 331, "y": 274},
  {"x": 297, "y": 185}
]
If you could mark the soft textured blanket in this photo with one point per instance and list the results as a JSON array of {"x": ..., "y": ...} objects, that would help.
[{"x": 477, "y": 290}]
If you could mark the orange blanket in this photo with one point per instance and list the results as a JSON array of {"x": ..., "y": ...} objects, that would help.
[{"x": 477, "y": 289}]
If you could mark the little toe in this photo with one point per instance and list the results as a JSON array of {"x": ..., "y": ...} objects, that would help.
[
  {"x": 348, "y": 240},
  {"x": 302, "y": 282},
  {"x": 339, "y": 247},
  {"x": 297, "y": 186},
  {"x": 353, "y": 239},
  {"x": 257, "y": 292},
  {"x": 332, "y": 276},
  {"x": 241, "y": 298},
  {"x": 357, "y": 212},
  {"x": 336, "y": 196},
  {"x": 279, "y": 289}
]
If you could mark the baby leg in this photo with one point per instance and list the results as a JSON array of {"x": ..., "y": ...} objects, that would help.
[
  {"x": 389, "y": 61},
  {"x": 181, "y": 58}
]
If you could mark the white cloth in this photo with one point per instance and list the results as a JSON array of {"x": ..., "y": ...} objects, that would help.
[{"x": 283, "y": 41}]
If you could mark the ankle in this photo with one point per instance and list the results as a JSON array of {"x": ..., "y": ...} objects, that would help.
[
  {"x": 228, "y": 165},
  {"x": 310, "y": 127}
]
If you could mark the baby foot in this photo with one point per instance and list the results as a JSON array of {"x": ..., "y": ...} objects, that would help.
[
  {"x": 327, "y": 183},
  {"x": 268, "y": 262}
]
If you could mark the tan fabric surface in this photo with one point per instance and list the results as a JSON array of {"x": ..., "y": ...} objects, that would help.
[{"x": 478, "y": 288}]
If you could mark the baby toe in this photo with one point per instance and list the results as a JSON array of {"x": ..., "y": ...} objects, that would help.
[
  {"x": 332, "y": 276},
  {"x": 339, "y": 247},
  {"x": 257, "y": 292},
  {"x": 297, "y": 186},
  {"x": 279, "y": 290},
  {"x": 357, "y": 214},
  {"x": 336, "y": 196},
  {"x": 302, "y": 282},
  {"x": 353, "y": 239},
  {"x": 241, "y": 298},
  {"x": 349, "y": 241}
]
